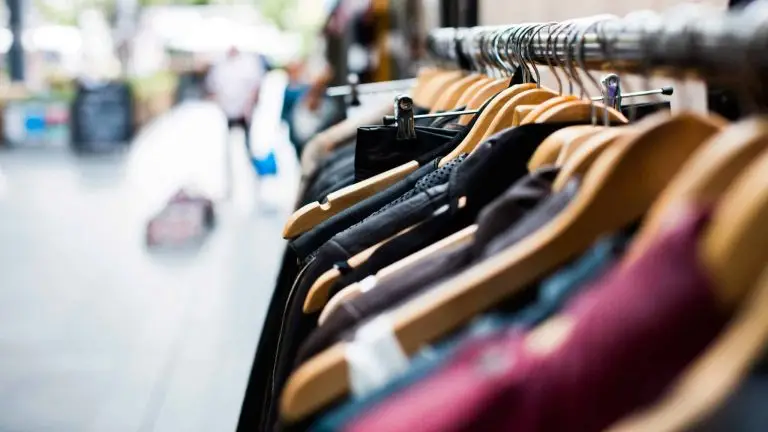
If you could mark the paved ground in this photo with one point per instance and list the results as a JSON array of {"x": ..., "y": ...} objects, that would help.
[{"x": 97, "y": 334}]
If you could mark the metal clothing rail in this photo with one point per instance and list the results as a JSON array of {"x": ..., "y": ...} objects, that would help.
[{"x": 712, "y": 44}]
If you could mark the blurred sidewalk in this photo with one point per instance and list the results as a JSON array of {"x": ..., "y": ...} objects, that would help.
[{"x": 97, "y": 334}]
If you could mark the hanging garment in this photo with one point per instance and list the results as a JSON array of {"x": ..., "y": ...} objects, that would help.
[
  {"x": 295, "y": 324},
  {"x": 308, "y": 242},
  {"x": 503, "y": 213},
  {"x": 553, "y": 293},
  {"x": 259, "y": 395},
  {"x": 494, "y": 166},
  {"x": 516, "y": 201},
  {"x": 337, "y": 171},
  {"x": 659, "y": 311}
]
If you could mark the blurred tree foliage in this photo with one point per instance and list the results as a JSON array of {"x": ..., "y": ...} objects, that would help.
[{"x": 66, "y": 13}]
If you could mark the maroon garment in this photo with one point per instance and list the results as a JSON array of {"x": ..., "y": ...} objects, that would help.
[{"x": 631, "y": 334}]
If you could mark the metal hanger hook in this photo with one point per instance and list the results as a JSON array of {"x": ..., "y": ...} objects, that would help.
[
  {"x": 580, "y": 58},
  {"x": 551, "y": 53},
  {"x": 524, "y": 47},
  {"x": 537, "y": 35},
  {"x": 507, "y": 66},
  {"x": 566, "y": 65}
]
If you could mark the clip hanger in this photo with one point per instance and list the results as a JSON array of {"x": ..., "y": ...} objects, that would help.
[
  {"x": 611, "y": 89},
  {"x": 406, "y": 127}
]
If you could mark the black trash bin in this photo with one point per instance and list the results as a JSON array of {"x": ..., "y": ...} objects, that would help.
[{"x": 102, "y": 116}]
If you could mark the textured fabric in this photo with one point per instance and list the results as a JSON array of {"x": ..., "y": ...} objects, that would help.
[
  {"x": 436, "y": 178},
  {"x": 410, "y": 281},
  {"x": 310, "y": 241},
  {"x": 619, "y": 345},
  {"x": 553, "y": 293}
]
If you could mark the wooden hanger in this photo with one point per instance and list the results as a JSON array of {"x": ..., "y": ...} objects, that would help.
[
  {"x": 346, "y": 294},
  {"x": 705, "y": 176},
  {"x": 448, "y": 96},
  {"x": 615, "y": 192},
  {"x": 309, "y": 216},
  {"x": 319, "y": 292},
  {"x": 470, "y": 92},
  {"x": 580, "y": 162},
  {"x": 485, "y": 118},
  {"x": 574, "y": 143},
  {"x": 521, "y": 112},
  {"x": 423, "y": 77},
  {"x": 482, "y": 96},
  {"x": 318, "y": 295},
  {"x": 505, "y": 117},
  {"x": 714, "y": 376},
  {"x": 351, "y": 291},
  {"x": 543, "y": 107},
  {"x": 433, "y": 89},
  {"x": 498, "y": 107},
  {"x": 548, "y": 151},
  {"x": 312, "y": 214},
  {"x": 579, "y": 110}
]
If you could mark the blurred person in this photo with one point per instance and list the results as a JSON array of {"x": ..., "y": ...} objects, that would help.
[{"x": 234, "y": 84}]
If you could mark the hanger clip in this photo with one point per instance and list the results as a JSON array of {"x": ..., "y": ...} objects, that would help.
[
  {"x": 406, "y": 126},
  {"x": 612, "y": 91}
]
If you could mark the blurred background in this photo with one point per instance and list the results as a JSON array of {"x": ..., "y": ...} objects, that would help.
[{"x": 107, "y": 111}]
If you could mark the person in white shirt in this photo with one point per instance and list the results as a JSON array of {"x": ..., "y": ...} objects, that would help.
[{"x": 234, "y": 85}]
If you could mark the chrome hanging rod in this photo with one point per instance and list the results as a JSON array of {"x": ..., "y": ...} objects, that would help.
[{"x": 693, "y": 40}]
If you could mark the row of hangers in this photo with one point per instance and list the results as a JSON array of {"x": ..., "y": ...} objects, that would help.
[{"x": 648, "y": 169}]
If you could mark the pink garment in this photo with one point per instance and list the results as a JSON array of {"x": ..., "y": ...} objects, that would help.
[{"x": 631, "y": 334}]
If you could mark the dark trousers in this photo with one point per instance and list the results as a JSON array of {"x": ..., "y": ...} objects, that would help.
[{"x": 243, "y": 123}]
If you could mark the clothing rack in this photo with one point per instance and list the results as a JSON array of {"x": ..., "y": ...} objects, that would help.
[{"x": 540, "y": 202}]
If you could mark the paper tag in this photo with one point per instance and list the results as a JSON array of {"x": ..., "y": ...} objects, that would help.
[{"x": 374, "y": 357}]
